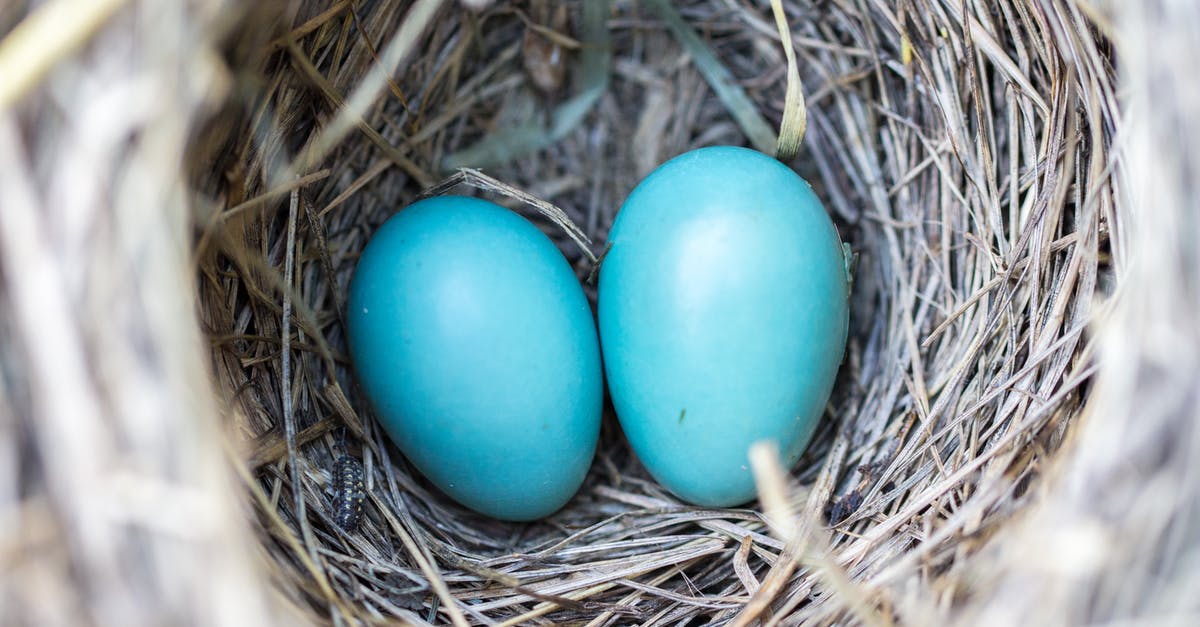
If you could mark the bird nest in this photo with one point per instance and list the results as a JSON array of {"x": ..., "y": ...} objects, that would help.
[{"x": 965, "y": 150}]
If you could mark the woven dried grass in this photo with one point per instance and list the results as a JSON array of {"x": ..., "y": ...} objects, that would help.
[{"x": 184, "y": 189}]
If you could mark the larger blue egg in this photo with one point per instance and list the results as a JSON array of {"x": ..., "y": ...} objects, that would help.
[
  {"x": 723, "y": 318},
  {"x": 476, "y": 346}
]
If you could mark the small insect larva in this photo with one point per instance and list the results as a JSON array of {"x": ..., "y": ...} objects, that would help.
[{"x": 348, "y": 493}]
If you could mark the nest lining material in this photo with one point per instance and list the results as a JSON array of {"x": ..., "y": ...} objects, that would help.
[
  {"x": 968, "y": 170},
  {"x": 965, "y": 148}
]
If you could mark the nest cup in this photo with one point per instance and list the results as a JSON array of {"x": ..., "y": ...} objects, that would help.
[{"x": 965, "y": 151}]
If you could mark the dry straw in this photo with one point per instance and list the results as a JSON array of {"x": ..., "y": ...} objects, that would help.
[{"x": 184, "y": 189}]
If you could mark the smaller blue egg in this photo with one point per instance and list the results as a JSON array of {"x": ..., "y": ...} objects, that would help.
[{"x": 476, "y": 346}]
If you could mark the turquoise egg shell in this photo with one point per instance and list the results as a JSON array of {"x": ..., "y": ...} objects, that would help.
[
  {"x": 723, "y": 318},
  {"x": 475, "y": 344}
]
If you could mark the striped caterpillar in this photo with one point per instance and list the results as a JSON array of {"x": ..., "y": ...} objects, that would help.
[{"x": 348, "y": 493}]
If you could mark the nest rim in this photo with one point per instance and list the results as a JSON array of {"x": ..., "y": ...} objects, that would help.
[{"x": 478, "y": 570}]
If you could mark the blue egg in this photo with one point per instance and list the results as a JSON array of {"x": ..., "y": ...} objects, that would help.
[
  {"x": 723, "y": 318},
  {"x": 476, "y": 346}
]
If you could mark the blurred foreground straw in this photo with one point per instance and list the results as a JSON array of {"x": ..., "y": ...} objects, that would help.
[
  {"x": 44, "y": 38},
  {"x": 117, "y": 506},
  {"x": 1116, "y": 540}
]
